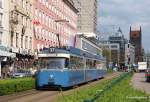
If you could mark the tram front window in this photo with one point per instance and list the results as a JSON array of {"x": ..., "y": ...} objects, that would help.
[{"x": 52, "y": 63}]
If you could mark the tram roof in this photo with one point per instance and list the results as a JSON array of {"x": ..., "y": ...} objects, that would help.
[{"x": 71, "y": 51}]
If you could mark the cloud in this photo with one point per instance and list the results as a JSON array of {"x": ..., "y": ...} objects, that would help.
[{"x": 125, "y": 13}]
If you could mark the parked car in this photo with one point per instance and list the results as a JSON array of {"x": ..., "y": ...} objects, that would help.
[
  {"x": 20, "y": 74},
  {"x": 147, "y": 74}
]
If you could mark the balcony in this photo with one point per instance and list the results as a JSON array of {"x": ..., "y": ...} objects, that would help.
[
  {"x": 14, "y": 20},
  {"x": 21, "y": 10}
]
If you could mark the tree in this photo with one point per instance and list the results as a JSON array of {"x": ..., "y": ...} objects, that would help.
[{"x": 107, "y": 54}]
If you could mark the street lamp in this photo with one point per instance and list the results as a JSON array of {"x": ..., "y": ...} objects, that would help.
[
  {"x": 128, "y": 56},
  {"x": 57, "y": 33}
]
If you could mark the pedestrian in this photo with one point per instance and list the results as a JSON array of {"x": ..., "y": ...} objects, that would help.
[{"x": 4, "y": 72}]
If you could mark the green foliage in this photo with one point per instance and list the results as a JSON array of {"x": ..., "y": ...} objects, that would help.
[
  {"x": 10, "y": 86},
  {"x": 120, "y": 92},
  {"x": 124, "y": 92},
  {"x": 79, "y": 95},
  {"x": 109, "y": 70}
]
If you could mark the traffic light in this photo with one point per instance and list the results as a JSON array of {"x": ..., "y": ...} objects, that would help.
[{"x": 128, "y": 45}]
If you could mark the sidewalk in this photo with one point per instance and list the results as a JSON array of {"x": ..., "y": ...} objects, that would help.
[{"x": 138, "y": 81}]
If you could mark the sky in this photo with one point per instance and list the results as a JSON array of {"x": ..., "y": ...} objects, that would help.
[{"x": 125, "y": 13}]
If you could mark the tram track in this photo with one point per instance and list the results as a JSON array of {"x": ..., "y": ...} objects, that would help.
[
  {"x": 48, "y": 96},
  {"x": 6, "y": 98},
  {"x": 27, "y": 96}
]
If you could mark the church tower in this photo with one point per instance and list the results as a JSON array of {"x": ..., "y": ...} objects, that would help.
[{"x": 136, "y": 40}]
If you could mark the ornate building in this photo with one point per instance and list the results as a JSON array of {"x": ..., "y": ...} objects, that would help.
[
  {"x": 55, "y": 23},
  {"x": 119, "y": 38},
  {"x": 21, "y": 31}
]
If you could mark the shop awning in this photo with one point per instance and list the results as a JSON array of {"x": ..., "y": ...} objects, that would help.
[{"x": 7, "y": 54}]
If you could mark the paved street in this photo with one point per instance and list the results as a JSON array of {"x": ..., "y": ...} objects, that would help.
[{"x": 139, "y": 82}]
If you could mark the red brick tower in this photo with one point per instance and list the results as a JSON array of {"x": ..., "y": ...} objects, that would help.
[{"x": 136, "y": 40}]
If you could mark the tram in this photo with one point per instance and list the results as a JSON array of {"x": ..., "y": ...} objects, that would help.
[{"x": 67, "y": 67}]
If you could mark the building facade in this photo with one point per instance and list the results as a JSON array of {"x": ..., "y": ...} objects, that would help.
[
  {"x": 85, "y": 44},
  {"x": 119, "y": 39},
  {"x": 5, "y": 51},
  {"x": 136, "y": 40},
  {"x": 4, "y": 23},
  {"x": 21, "y": 15},
  {"x": 21, "y": 32},
  {"x": 112, "y": 53},
  {"x": 129, "y": 54},
  {"x": 146, "y": 58},
  {"x": 87, "y": 17},
  {"x": 55, "y": 23}
]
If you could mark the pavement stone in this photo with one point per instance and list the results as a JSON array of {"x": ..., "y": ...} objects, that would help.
[{"x": 139, "y": 82}]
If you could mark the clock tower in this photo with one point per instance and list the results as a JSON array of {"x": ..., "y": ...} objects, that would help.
[{"x": 136, "y": 40}]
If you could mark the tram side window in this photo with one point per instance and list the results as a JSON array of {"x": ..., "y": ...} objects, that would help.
[
  {"x": 100, "y": 65},
  {"x": 90, "y": 64},
  {"x": 76, "y": 63},
  {"x": 42, "y": 64},
  {"x": 66, "y": 63}
]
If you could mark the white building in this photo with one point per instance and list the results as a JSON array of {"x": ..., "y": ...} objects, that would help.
[
  {"x": 21, "y": 27},
  {"x": 129, "y": 54},
  {"x": 4, "y": 34},
  {"x": 114, "y": 49},
  {"x": 86, "y": 45},
  {"x": 21, "y": 32},
  {"x": 4, "y": 23},
  {"x": 87, "y": 17}
]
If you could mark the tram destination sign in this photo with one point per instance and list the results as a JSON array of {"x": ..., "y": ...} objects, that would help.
[{"x": 51, "y": 50}]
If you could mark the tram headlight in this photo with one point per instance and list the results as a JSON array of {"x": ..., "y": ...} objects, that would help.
[
  {"x": 51, "y": 79},
  {"x": 51, "y": 76}
]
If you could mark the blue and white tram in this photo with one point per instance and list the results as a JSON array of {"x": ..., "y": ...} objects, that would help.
[{"x": 68, "y": 67}]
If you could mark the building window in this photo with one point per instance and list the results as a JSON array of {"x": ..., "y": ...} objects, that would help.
[
  {"x": 1, "y": 6},
  {"x": 27, "y": 23},
  {"x": 17, "y": 16},
  {"x": 1, "y": 34},
  {"x": 12, "y": 38},
  {"x": 30, "y": 8},
  {"x": 26, "y": 42},
  {"x": 22, "y": 20},
  {"x": 22, "y": 3},
  {"x": 1, "y": 19},
  {"x": 30, "y": 42},
  {"x": 26, "y": 6},
  {"x": 17, "y": 38},
  {"x": 21, "y": 41},
  {"x": 30, "y": 22}
]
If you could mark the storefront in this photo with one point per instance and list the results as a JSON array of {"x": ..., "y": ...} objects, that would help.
[
  {"x": 24, "y": 59},
  {"x": 6, "y": 57}
]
